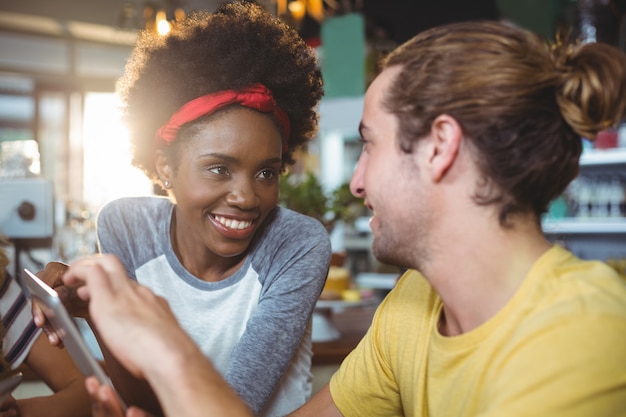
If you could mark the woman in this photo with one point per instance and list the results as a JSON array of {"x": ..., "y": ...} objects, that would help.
[
  {"x": 216, "y": 110},
  {"x": 22, "y": 342}
]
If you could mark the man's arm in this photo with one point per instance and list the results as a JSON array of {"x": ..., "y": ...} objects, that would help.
[
  {"x": 321, "y": 405},
  {"x": 134, "y": 391}
]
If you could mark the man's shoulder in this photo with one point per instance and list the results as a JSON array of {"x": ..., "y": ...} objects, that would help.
[
  {"x": 411, "y": 295},
  {"x": 412, "y": 282},
  {"x": 578, "y": 286}
]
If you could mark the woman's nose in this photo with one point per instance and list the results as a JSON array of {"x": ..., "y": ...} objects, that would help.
[{"x": 242, "y": 195}]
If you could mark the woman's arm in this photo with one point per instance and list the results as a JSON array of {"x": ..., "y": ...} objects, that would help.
[
  {"x": 292, "y": 263},
  {"x": 56, "y": 368}
]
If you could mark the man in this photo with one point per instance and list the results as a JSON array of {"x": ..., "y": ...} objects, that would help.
[{"x": 469, "y": 132}]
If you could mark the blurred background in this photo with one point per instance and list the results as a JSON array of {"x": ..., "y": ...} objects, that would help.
[{"x": 63, "y": 149}]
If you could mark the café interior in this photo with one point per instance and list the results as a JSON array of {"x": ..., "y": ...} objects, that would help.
[{"x": 64, "y": 149}]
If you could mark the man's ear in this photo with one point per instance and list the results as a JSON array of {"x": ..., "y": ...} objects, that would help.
[
  {"x": 446, "y": 135},
  {"x": 163, "y": 167}
]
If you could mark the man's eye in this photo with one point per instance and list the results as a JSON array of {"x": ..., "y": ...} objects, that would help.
[{"x": 220, "y": 170}]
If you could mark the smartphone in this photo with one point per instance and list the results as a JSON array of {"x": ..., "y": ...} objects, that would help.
[
  {"x": 64, "y": 325},
  {"x": 8, "y": 384}
]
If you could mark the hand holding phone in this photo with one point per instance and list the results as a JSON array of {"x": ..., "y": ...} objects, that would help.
[
  {"x": 52, "y": 275},
  {"x": 64, "y": 326}
]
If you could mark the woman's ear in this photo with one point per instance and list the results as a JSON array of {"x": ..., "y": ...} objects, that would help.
[
  {"x": 446, "y": 135},
  {"x": 163, "y": 168}
]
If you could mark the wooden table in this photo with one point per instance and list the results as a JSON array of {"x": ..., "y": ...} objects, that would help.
[{"x": 353, "y": 324}]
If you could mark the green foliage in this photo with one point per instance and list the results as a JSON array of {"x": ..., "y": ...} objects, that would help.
[{"x": 304, "y": 194}]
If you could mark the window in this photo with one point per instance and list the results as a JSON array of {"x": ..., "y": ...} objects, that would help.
[
  {"x": 83, "y": 144},
  {"x": 107, "y": 171}
]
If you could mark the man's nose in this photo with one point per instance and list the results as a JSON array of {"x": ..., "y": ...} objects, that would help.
[{"x": 357, "y": 187}]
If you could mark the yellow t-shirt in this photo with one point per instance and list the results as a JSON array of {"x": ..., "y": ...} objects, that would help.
[{"x": 558, "y": 348}]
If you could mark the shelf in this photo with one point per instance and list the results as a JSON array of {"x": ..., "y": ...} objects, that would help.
[
  {"x": 585, "y": 226},
  {"x": 599, "y": 157}
]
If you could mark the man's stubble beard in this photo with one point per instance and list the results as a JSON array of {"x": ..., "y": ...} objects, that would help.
[{"x": 391, "y": 250}]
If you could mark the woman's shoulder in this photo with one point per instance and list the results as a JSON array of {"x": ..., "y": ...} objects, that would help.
[
  {"x": 135, "y": 207},
  {"x": 287, "y": 232},
  {"x": 285, "y": 221}
]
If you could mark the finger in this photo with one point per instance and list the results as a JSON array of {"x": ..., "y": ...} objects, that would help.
[
  {"x": 103, "y": 275},
  {"x": 137, "y": 412},
  {"x": 41, "y": 321},
  {"x": 52, "y": 336},
  {"x": 97, "y": 269},
  {"x": 115, "y": 270},
  {"x": 104, "y": 402},
  {"x": 109, "y": 402},
  {"x": 38, "y": 317},
  {"x": 87, "y": 274},
  {"x": 92, "y": 385},
  {"x": 83, "y": 293}
]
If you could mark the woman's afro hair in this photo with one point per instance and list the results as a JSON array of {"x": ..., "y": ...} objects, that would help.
[{"x": 237, "y": 45}]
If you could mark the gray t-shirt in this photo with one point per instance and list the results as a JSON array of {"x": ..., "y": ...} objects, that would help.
[{"x": 253, "y": 325}]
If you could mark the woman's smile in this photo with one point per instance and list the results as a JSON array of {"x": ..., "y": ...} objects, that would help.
[
  {"x": 232, "y": 228},
  {"x": 232, "y": 223}
]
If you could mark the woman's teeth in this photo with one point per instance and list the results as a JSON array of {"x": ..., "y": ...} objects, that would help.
[{"x": 233, "y": 224}]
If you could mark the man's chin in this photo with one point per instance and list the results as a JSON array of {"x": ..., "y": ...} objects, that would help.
[
  {"x": 388, "y": 254},
  {"x": 383, "y": 253}
]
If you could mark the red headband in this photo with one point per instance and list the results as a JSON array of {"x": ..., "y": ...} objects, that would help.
[{"x": 257, "y": 97}]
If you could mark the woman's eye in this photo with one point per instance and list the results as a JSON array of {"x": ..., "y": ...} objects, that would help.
[
  {"x": 219, "y": 170},
  {"x": 267, "y": 174}
]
